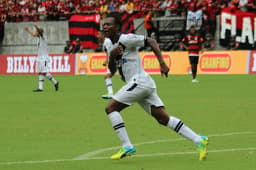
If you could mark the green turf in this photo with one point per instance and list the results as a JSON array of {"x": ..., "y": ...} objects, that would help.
[{"x": 60, "y": 126}]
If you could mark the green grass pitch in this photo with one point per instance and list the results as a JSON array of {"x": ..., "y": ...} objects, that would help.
[{"x": 68, "y": 130}]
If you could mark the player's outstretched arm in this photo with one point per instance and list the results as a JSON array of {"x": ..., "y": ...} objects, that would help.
[
  {"x": 30, "y": 32},
  {"x": 154, "y": 46},
  {"x": 36, "y": 26}
]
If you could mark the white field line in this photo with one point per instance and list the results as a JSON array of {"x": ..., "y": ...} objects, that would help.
[
  {"x": 35, "y": 162},
  {"x": 181, "y": 153},
  {"x": 90, "y": 155},
  {"x": 139, "y": 155},
  {"x": 96, "y": 152},
  {"x": 193, "y": 152}
]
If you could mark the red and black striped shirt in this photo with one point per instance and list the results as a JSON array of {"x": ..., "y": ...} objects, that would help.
[{"x": 194, "y": 43}]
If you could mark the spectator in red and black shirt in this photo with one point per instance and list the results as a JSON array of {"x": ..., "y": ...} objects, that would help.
[
  {"x": 78, "y": 48},
  {"x": 69, "y": 48},
  {"x": 193, "y": 42}
]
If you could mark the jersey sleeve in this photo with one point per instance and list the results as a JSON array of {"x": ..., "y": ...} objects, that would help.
[{"x": 133, "y": 40}]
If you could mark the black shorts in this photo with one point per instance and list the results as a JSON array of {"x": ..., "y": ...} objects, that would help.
[{"x": 193, "y": 59}]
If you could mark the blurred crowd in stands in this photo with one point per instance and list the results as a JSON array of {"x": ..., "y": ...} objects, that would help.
[
  {"x": 35, "y": 10},
  {"x": 73, "y": 47},
  {"x": 41, "y": 10}
]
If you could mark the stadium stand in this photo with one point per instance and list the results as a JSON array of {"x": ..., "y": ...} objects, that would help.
[
  {"x": 16, "y": 11},
  {"x": 35, "y": 10}
]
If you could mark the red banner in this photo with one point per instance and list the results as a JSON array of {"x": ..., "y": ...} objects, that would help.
[
  {"x": 210, "y": 62},
  {"x": 127, "y": 20},
  {"x": 238, "y": 24},
  {"x": 26, "y": 64},
  {"x": 85, "y": 27},
  {"x": 252, "y": 62}
]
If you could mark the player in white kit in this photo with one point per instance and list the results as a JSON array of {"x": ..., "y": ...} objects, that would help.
[
  {"x": 106, "y": 42},
  {"x": 42, "y": 59},
  {"x": 140, "y": 87}
]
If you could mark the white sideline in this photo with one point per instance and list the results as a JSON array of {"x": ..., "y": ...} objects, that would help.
[
  {"x": 193, "y": 152},
  {"x": 139, "y": 155},
  {"x": 90, "y": 155},
  {"x": 180, "y": 153},
  {"x": 96, "y": 152}
]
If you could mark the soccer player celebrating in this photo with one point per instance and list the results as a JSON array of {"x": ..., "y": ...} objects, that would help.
[
  {"x": 140, "y": 87},
  {"x": 42, "y": 59},
  {"x": 193, "y": 42},
  {"x": 106, "y": 42}
]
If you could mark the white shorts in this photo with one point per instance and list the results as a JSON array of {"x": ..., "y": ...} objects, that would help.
[
  {"x": 134, "y": 93},
  {"x": 42, "y": 65}
]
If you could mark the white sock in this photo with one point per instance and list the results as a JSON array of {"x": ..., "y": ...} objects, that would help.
[
  {"x": 178, "y": 126},
  {"x": 108, "y": 82},
  {"x": 41, "y": 82},
  {"x": 118, "y": 125},
  {"x": 50, "y": 77}
]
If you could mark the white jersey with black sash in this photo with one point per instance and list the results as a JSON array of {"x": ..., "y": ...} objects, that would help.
[{"x": 131, "y": 66}]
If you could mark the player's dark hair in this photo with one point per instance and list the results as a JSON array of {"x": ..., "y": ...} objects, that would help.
[
  {"x": 40, "y": 31},
  {"x": 117, "y": 18},
  {"x": 192, "y": 27}
]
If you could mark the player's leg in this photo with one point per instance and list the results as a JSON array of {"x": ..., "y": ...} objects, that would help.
[
  {"x": 126, "y": 96},
  {"x": 194, "y": 73},
  {"x": 174, "y": 123},
  {"x": 49, "y": 75},
  {"x": 41, "y": 75},
  {"x": 194, "y": 63},
  {"x": 109, "y": 86},
  {"x": 159, "y": 113},
  {"x": 155, "y": 107},
  {"x": 40, "y": 83},
  {"x": 179, "y": 127},
  {"x": 53, "y": 80},
  {"x": 113, "y": 111}
]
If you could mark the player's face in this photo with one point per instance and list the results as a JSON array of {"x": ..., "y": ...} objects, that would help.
[
  {"x": 110, "y": 28},
  {"x": 192, "y": 30}
]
